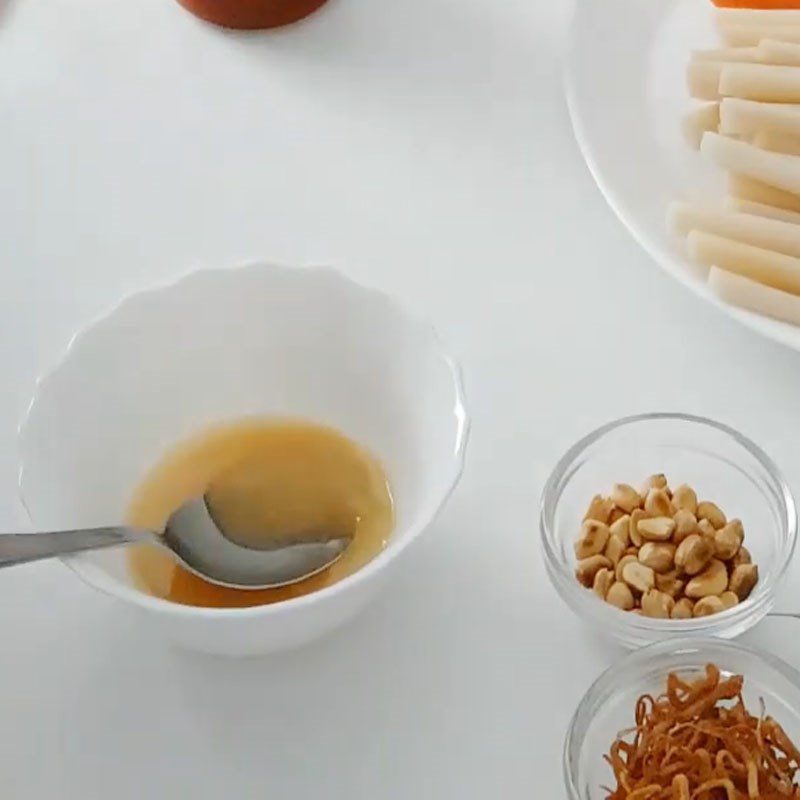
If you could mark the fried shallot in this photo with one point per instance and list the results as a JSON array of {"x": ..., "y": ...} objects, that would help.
[{"x": 698, "y": 741}]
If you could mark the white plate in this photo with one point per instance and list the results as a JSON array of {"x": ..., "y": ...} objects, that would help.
[{"x": 626, "y": 90}]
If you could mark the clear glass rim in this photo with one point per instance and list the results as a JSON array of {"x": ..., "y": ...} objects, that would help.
[
  {"x": 743, "y": 615},
  {"x": 638, "y": 660}
]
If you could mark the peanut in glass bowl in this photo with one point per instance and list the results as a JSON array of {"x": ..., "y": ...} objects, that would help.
[
  {"x": 721, "y": 464},
  {"x": 608, "y": 706}
]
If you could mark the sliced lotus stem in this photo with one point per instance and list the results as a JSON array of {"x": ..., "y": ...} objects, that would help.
[
  {"x": 772, "y": 269},
  {"x": 751, "y": 55},
  {"x": 726, "y": 17},
  {"x": 702, "y": 118},
  {"x": 752, "y": 35},
  {"x": 774, "y": 169},
  {"x": 757, "y": 192},
  {"x": 765, "y": 82},
  {"x": 702, "y": 79},
  {"x": 736, "y": 204},
  {"x": 775, "y": 52},
  {"x": 768, "y": 234},
  {"x": 778, "y": 142},
  {"x": 739, "y": 117}
]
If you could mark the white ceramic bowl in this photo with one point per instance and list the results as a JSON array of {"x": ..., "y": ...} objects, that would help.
[{"x": 226, "y": 344}]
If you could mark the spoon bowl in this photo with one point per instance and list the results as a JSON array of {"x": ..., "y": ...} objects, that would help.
[
  {"x": 195, "y": 540},
  {"x": 202, "y": 547}
]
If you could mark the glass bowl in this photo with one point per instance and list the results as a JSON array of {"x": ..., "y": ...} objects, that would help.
[
  {"x": 608, "y": 707},
  {"x": 720, "y": 463}
]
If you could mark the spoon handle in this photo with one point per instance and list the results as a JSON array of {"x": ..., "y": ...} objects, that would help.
[{"x": 18, "y": 548}]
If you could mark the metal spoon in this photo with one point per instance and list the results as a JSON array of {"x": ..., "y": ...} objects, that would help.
[{"x": 199, "y": 545}]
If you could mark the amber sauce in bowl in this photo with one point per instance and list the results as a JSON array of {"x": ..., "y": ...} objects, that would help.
[{"x": 272, "y": 475}]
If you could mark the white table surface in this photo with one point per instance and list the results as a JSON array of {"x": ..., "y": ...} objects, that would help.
[{"x": 422, "y": 146}]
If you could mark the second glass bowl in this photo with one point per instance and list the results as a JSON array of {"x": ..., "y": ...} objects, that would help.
[
  {"x": 608, "y": 707},
  {"x": 721, "y": 464}
]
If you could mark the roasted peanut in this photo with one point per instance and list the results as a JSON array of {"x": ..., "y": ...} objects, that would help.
[
  {"x": 684, "y": 498},
  {"x": 743, "y": 579},
  {"x": 599, "y": 509},
  {"x": 615, "y": 514},
  {"x": 602, "y": 582},
  {"x": 660, "y": 553},
  {"x": 693, "y": 554},
  {"x": 620, "y": 595},
  {"x": 728, "y": 540},
  {"x": 589, "y": 567},
  {"x": 625, "y": 497},
  {"x": 659, "y": 529},
  {"x": 594, "y": 538},
  {"x": 614, "y": 550},
  {"x": 684, "y": 609},
  {"x": 712, "y": 513},
  {"x": 712, "y": 580},
  {"x": 626, "y": 559},
  {"x": 658, "y": 504},
  {"x": 657, "y": 604},
  {"x": 706, "y": 529},
  {"x": 637, "y": 515},
  {"x": 707, "y": 606},
  {"x": 659, "y": 556},
  {"x": 669, "y": 583},
  {"x": 742, "y": 557},
  {"x": 658, "y": 481},
  {"x": 685, "y": 525},
  {"x": 621, "y": 529},
  {"x": 640, "y": 577}
]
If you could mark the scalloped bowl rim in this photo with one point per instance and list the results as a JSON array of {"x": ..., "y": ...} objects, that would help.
[{"x": 97, "y": 578}]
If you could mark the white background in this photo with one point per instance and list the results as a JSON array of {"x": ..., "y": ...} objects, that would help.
[{"x": 422, "y": 146}]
